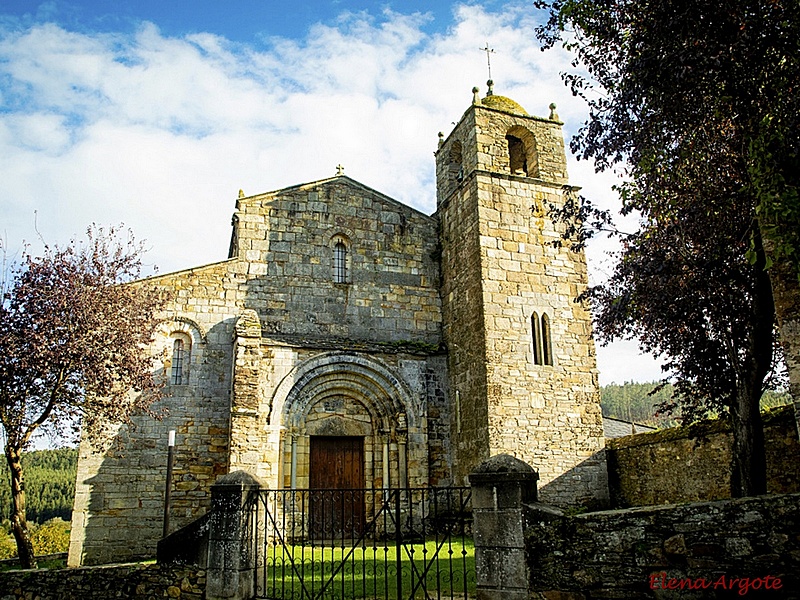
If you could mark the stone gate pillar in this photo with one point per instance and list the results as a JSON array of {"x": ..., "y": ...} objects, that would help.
[
  {"x": 230, "y": 557},
  {"x": 500, "y": 487}
]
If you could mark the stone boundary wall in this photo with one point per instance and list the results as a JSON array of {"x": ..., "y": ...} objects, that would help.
[
  {"x": 721, "y": 549},
  {"x": 132, "y": 581},
  {"x": 668, "y": 466}
]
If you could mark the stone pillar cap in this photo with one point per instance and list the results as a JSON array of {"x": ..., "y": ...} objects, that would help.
[
  {"x": 237, "y": 478},
  {"x": 503, "y": 467}
]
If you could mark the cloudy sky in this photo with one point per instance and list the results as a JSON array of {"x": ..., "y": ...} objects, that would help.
[{"x": 154, "y": 113}]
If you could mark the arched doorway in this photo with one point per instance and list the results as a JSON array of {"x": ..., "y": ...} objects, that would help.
[{"x": 346, "y": 395}]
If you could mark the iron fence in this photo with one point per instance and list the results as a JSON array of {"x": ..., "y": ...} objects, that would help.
[{"x": 343, "y": 544}]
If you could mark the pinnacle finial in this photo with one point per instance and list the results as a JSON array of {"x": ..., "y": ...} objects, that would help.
[
  {"x": 241, "y": 193},
  {"x": 553, "y": 114},
  {"x": 441, "y": 139},
  {"x": 490, "y": 84},
  {"x": 476, "y": 98}
]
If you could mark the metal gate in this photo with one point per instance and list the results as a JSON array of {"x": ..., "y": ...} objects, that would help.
[{"x": 342, "y": 544}]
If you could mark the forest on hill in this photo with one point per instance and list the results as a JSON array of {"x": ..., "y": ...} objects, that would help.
[
  {"x": 639, "y": 403},
  {"x": 49, "y": 484}
]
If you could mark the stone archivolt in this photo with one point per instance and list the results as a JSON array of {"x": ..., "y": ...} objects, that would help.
[{"x": 337, "y": 374}]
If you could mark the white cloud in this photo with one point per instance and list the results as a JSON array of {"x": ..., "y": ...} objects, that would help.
[
  {"x": 160, "y": 133},
  {"x": 622, "y": 361}
]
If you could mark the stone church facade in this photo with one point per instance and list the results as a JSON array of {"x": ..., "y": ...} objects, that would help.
[{"x": 352, "y": 341}]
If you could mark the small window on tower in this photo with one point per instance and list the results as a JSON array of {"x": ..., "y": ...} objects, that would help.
[
  {"x": 341, "y": 260},
  {"x": 523, "y": 156},
  {"x": 547, "y": 348},
  {"x": 536, "y": 335}
]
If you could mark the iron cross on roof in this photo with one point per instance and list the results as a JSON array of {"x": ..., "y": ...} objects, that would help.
[{"x": 489, "y": 52}]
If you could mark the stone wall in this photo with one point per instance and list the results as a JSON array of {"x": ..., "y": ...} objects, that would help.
[
  {"x": 132, "y": 581},
  {"x": 669, "y": 466},
  {"x": 729, "y": 548},
  {"x": 341, "y": 312},
  {"x": 504, "y": 280},
  {"x": 286, "y": 242},
  {"x": 253, "y": 322},
  {"x": 463, "y": 330}
]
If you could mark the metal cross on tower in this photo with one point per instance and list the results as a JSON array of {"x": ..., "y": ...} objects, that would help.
[{"x": 489, "y": 52}]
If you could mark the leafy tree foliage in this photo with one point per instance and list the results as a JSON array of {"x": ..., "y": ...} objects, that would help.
[
  {"x": 8, "y": 547},
  {"x": 667, "y": 67},
  {"x": 697, "y": 103},
  {"x": 637, "y": 402},
  {"x": 72, "y": 330},
  {"x": 50, "y": 537},
  {"x": 686, "y": 291}
]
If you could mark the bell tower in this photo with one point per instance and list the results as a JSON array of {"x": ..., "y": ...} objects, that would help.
[{"x": 522, "y": 369}]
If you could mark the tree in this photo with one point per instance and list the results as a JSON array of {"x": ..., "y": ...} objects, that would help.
[
  {"x": 697, "y": 103},
  {"x": 73, "y": 327},
  {"x": 51, "y": 537},
  {"x": 685, "y": 289},
  {"x": 49, "y": 484}
]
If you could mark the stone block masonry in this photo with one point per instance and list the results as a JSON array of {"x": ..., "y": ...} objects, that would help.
[
  {"x": 748, "y": 547},
  {"x": 131, "y": 581},
  {"x": 501, "y": 486},
  {"x": 670, "y": 466},
  {"x": 388, "y": 291},
  {"x": 248, "y": 326},
  {"x": 521, "y": 358},
  {"x": 415, "y": 345}
]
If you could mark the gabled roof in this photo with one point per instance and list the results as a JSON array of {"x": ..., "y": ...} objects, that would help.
[
  {"x": 335, "y": 179},
  {"x": 613, "y": 428}
]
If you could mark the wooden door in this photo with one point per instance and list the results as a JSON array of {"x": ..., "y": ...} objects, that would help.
[{"x": 336, "y": 482}]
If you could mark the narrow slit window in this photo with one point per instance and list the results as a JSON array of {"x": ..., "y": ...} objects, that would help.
[
  {"x": 541, "y": 339},
  {"x": 340, "y": 263},
  {"x": 178, "y": 362},
  {"x": 536, "y": 335},
  {"x": 547, "y": 348}
]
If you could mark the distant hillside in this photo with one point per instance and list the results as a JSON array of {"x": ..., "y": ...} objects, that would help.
[
  {"x": 632, "y": 402},
  {"x": 49, "y": 484}
]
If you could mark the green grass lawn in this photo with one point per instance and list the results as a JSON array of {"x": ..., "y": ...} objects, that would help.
[
  {"x": 56, "y": 563},
  {"x": 371, "y": 571}
]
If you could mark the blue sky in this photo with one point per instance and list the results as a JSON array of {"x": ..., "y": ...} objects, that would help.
[
  {"x": 246, "y": 21},
  {"x": 155, "y": 114}
]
